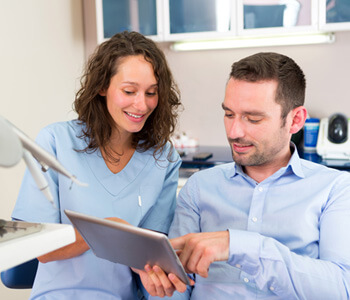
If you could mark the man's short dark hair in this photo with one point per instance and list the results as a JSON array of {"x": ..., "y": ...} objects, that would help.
[{"x": 263, "y": 66}]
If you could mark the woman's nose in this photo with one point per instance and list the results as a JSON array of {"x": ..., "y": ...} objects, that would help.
[{"x": 140, "y": 102}]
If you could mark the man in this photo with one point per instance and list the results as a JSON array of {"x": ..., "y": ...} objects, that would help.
[{"x": 270, "y": 225}]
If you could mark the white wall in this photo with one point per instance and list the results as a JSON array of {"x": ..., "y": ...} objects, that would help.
[
  {"x": 41, "y": 59},
  {"x": 202, "y": 76}
]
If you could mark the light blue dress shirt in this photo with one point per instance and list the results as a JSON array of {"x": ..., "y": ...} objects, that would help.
[
  {"x": 289, "y": 234},
  {"x": 143, "y": 193}
]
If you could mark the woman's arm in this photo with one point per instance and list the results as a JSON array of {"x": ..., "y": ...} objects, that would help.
[{"x": 72, "y": 250}]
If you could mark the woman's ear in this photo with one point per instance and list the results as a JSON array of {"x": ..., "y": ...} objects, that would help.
[
  {"x": 299, "y": 115},
  {"x": 102, "y": 93}
]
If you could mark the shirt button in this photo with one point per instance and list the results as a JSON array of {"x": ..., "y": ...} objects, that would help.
[
  {"x": 254, "y": 219},
  {"x": 246, "y": 280},
  {"x": 272, "y": 288},
  {"x": 260, "y": 189},
  {"x": 238, "y": 266}
]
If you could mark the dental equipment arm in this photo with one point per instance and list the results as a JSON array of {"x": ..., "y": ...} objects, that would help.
[{"x": 15, "y": 144}]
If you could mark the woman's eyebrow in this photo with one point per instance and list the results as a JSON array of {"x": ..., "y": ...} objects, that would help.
[{"x": 136, "y": 84}]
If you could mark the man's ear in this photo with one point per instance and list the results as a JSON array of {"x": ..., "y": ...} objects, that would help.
[{"x": 299, "y": 115}]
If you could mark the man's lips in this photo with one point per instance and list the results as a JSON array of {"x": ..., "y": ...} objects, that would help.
[{"x": 241, "y": 148}]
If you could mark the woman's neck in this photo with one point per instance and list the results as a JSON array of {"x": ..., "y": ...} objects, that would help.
[{"x": 120, "y": 151}]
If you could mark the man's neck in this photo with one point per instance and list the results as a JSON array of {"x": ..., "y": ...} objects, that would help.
[{"x": 261, "y": 172}]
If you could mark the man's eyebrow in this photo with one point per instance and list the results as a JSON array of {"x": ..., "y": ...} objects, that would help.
[
  {"x": 249, "y": 113},
  {"x": 255, "y": 113},
  {"x": 224, "y": 107}
]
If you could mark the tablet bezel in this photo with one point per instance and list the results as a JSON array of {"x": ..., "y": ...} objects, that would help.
[{"x": 127, "y": 244}]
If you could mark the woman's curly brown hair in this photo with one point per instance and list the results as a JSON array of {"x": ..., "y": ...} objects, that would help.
[{"x": 91, "y": 106}]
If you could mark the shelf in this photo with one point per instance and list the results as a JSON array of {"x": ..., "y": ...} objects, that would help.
[{"x": 22, "y": 249}]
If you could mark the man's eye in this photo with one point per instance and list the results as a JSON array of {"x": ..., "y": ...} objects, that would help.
[
  {"x": 254, "y": 121},
  {"x": 251, "y": 120},
  {"x": 228, "y": 115}
]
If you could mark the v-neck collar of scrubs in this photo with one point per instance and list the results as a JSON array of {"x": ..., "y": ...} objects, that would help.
[{"x": 115, "y": 183}]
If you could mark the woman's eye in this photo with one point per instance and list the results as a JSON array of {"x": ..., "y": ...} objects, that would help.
[
  {"x": 151, "y": 94},
  {"x": 128, "y": 92}
]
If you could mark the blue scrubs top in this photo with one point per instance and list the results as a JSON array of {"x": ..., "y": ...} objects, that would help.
[{"x": 143, "y": 194}]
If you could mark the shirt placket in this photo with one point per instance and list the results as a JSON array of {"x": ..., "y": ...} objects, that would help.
[{"x": 256, "y": 208}]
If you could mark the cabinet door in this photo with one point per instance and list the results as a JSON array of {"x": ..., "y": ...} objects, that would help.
[
  {"x": 276, "y": 16},
  {"x": 104, "y": 18},
  {"x": 131, "y": 15},
  {"x": 335, "y": 15},
  {"x": 187, "y": 19}
]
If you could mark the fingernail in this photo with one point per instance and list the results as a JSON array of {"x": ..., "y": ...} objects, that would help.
[
  {"x": 156, "y": 269},
  {"x": 147, "y": 268}
]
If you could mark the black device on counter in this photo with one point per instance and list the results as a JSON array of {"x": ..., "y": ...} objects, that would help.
[
  {"x": 202, "y": 156},
  {"x": 338, "y": 129}
]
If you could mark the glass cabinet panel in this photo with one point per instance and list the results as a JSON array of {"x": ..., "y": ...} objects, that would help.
[
  {"x": 190, "y": 16},
  {"x": 131, "y": 15},
  {"x": 337, "y": 11},
  {"x": 276, "y": 13},
  {"x": 334, "y": 15}
]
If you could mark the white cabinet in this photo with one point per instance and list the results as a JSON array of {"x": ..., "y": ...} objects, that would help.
[
  {"x": 174, "y": 20},
  {"x": 162, "y": 20},
  {"x": 104, "y": 18},
  {"x": 138, "y": 16},
  {"x": 266, "y": 17},
  {"x": 199, "y": 19}
]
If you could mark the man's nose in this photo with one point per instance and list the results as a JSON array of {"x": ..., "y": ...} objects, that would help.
[{"x": 235, "y": 129}]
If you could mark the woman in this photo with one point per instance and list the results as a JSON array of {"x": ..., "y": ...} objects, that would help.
[{"x": 119, "y": 145}]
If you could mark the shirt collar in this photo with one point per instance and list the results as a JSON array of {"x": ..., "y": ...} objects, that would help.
[{"x": 294, "y": 164}]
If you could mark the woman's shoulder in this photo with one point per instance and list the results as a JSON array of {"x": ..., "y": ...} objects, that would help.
[
  {"x": 167, "y": 150},
  {"x": 170, "y": 152},
  {"x": 63, "y": 126},
  {"x": 165, "y": 157},
  {"x": 61, "y": 132}
]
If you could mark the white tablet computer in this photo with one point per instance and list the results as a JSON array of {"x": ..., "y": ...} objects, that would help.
[{"x": 126, "y": 244}]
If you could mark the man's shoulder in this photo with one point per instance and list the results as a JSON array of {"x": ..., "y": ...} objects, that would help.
[
  {"x": 315, "y": 169},
  {"x": 226, "y": 170}
]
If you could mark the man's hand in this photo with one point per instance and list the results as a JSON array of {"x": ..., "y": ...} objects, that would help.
[{"x": 198, "y": 250}]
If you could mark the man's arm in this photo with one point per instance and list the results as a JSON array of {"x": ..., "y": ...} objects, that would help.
[
  {"x": 198, "y": 250},
  {"x": 269, "y": 265}
]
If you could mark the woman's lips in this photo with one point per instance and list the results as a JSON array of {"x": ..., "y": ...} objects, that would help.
[{"x": 134, "y": 117}]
